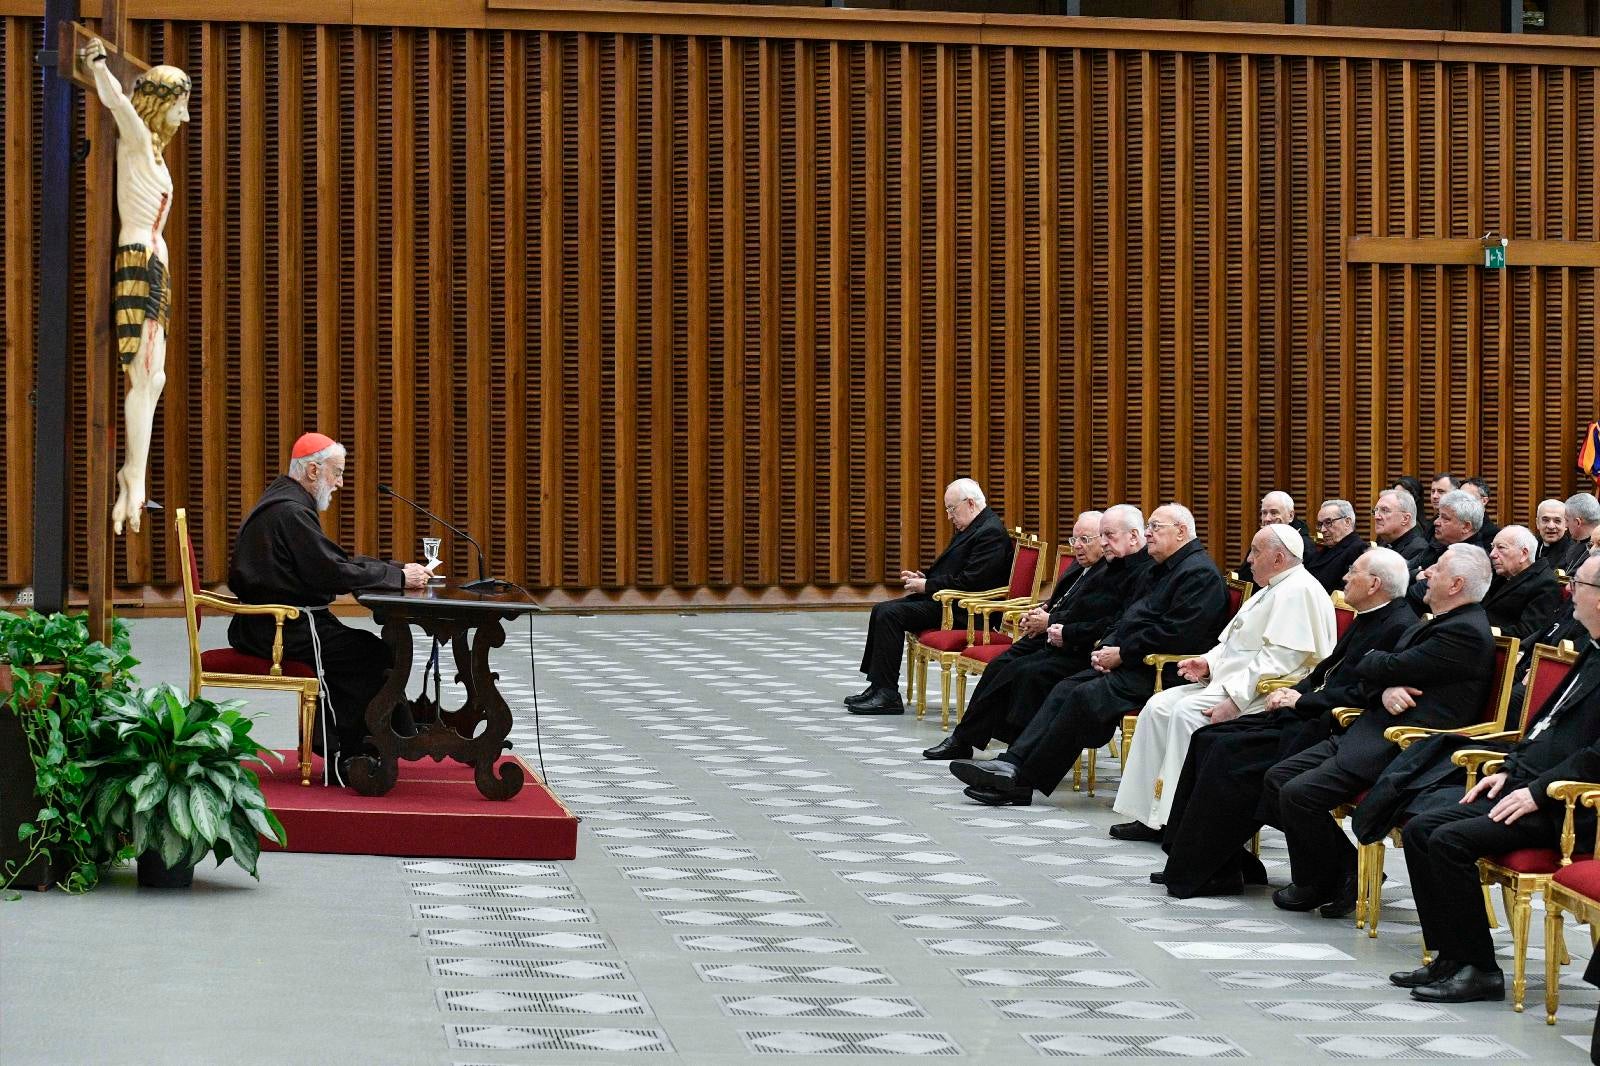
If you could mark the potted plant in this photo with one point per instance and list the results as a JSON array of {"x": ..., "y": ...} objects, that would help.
[
  {"x": 53, "y": 679},
  {"x": 170, "y": 784}
]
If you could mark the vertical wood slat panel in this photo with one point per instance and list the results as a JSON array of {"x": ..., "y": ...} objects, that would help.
[
  {"x": 1400, "y": 323},
  {"x": 19, "y": 324}
]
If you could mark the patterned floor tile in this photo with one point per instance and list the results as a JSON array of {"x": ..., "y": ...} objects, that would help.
[
  {"x": 1353, "y": 1010},
  {"x": 1428, "y": 1048},
  {"x": 943, "y": 899},
  {"x": 764, "y": 974},
  {"x": 1019, "y": 922},
  {"x": 505, "y": 1001},
  {"x": 1081, "y": 1046},
  {"x": 717, "y": 919},
  {"x": 679, "y": 894},
  {"x": 1261, "y": 926},
  {"x": 553, "y": 969},
  {"x": 809, "y": 945},
  {"x": 1201, "y": 949},
  {"x": 774, "y": 1006},
  {"x": 491, "y": 890},
  {"x": 566, "y": 1040},
  {"x": 1053, "y": 977},
  {"x": 795, "y": 1042},
  {"x": 1061, "y": 949},
  {"x": 461, "y": 912},
  {"x": 497, "y": 938},
  {"x": 1113, "y": 1010},
  {"x": 699, "y": 873},
  {"x": 1310, "y": 980}
]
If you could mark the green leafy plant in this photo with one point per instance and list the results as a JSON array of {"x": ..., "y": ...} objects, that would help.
[
  {"x": 60, "y": 678},
  {"x": 170, "y": 775}
]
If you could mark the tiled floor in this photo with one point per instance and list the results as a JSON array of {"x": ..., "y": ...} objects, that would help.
[{"x": 760, "y": 874}]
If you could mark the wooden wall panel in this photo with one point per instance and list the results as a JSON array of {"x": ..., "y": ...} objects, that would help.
[{"x": 724, "y": 311}]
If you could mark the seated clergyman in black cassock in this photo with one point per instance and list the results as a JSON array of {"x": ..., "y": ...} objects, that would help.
[
  {"x": 1524, "y": 593},
  {"x": 282, "y": 555},
  {"x": 978, "y": 557},
  {"x": 1214, "y": 812},
  {"x": 1450, "y": 829},
  {"x": 1111, "y": 558},
  {"x": 1277, "y": 508},
  {"x": 1394, "y": 525},
  {"x": 1340, "y": 547}
]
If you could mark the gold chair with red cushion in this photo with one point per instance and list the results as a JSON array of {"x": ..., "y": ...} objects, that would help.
[
  {"x": 228, "y": 668},
  {"x": 986, "y": 640},
  {"x": 946, "y": 643},
  {"x": 1574, "y": 888},
  {"x": 1343, "y": 613}
]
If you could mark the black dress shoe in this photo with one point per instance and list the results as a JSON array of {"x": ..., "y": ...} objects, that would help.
[
  {"x": 883, "y": 701},
  {"x": 1252, "y": 868},
  {"x": 1158, "y": 877},
  {"x": 949, "y": 748},
  {"x": 860, "y": 697},
  {"x": 1470, "y": 984},
  {"x": 990, "y": 773},
  {"x": 1437, "y": 970},
  {"x": 1019, "y": 796},
  {"x": 1296, "y": 898},
  {"x": 1344, "y": 904},
  {"x": 1135, "y": 831}
]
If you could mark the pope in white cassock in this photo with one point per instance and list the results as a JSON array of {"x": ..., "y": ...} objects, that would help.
[{"x": 1282, "y": 631}]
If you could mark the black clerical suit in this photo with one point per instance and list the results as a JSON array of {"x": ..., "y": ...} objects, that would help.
[
  {"x": 1521, "y": 605},
  {"x": 1419, "y": 587},
  {"x": 1565, "y": 554},
  {"x": 1451, "y": 659},
  {"x": 1016, "y": 682},
  {"x": 1443, "y": 844},
  {"x": 1214, "y": 810},
  {"x": 281, "y": 555},
  {"x": 1414, "y": 548},
  {"x": 977, "y": 558},
  {"x": 1180, "y": 606},
  {"x": 1558, "y": 627},
  {"x": 1329, "y": 564}
]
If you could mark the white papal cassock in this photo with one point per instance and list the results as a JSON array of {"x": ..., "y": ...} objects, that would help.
[{"x": 1282, "y": 631}]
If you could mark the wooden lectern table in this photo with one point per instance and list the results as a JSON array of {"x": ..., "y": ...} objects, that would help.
[{"x": 470, "y": 622}]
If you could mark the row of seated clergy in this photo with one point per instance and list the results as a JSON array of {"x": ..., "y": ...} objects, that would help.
[
  {"x": 1436, "y": 677},
  {"x": 1214, "y": 807},
  {"x": 1475, "y": 487},
  {"x": 1524, "y": 592},
  {"x": 1110, "y": 561},
  {"x": 1277, "y": 507},
  {"x": 1181, "y": 600},
  {"x": 1447, "y": 828},
  {"x": 977, "y": 557},
  {"x": 1327, "y": 560},
  {"x": 1579, "y": 526}
]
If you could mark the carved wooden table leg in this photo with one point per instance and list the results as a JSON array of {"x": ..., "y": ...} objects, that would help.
[{"x": 487, "y": 704}]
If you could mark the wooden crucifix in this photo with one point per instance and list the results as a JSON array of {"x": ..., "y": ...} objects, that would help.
[{"x": 131, "y": 331}]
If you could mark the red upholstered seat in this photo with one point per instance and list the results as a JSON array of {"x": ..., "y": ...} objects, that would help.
[
  {"x": 943, "y": 639},
  {"x": 1582, "y": 876},
  {"x": 988, "y": 653},
  {"x": 1531, "y": 860},
  {"x": 229, "y": 661}
]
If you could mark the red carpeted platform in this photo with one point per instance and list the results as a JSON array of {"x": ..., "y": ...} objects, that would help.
[{"x": 434, "y": 810}]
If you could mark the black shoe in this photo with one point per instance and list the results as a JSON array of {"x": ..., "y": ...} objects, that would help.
[
  {"x": 949, "y": 748},
  {"x": 883, "y": 701},
  {"x": 1296, "y": 898},
  {"x": 996, "y": 774},
  {"x": 1470, "y": 984},
  {"x": 1019, "y": 796},
  {"x": 1437, "y": 970},
  {"x": 860, "y": 697},
  {"x": 1344, "y": 904},
  {"x": 1252, "y": 869},
  {"x": 1158, "y": 877},
  {"x": 1136, "y": 831}
]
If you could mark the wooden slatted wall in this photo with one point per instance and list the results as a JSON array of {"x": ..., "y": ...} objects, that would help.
[{"x": 724, "y": 311}]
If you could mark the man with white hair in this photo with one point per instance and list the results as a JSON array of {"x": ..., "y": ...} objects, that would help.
[
  {"x": 1394, "y": 524},
  {"x": 1340, "y": 547},
  {"x": 1283, "y": 631},
  {"x": 1437, "y": 678},
  {"x": 1182, "y": 600},
  {"x": 1459, "y": 521},
  {"x": 1582, "y": 512},
  {"x": 978, "y": 557},
  {"x": 1525, "y": 592},
  {"x": 1276, "y": 506},
  {"x": 281, "y": 555},
  {"x": 1215, "y": 806},
  {"x": 1058, "y": 637}
]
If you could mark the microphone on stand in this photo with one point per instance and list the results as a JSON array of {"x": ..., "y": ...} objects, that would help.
[{"x": 483, "y": 583}]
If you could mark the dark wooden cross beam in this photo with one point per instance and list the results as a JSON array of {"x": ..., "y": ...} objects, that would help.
[{"x": 1468, "y": 251}]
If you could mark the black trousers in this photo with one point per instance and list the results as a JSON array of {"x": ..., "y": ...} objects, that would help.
[
  {"x": 1442, "y": 849},
  {"x": 887, "y": 627},
  {"x": 355, "y": 663},
  {"x": 1213, "y": 817},
  {"x": 1012, "y": 688},
  {"x": 1082, "y": 711},
  {"x": 1304, "y": 788}
]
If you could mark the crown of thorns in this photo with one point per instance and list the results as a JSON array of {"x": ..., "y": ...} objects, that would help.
[{"x": 161, "y": 89}]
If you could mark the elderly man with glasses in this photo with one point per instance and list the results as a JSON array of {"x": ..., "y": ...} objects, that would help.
[
  {"x": 1180, "y": 602},
  {"x": 1277, "y": 506},
  {"x": 977, "y": 557},
  {"x": 1330, "y": 560},
  {"x": 1394, "y": 525},
  {"x": 1525, "y": 592}
]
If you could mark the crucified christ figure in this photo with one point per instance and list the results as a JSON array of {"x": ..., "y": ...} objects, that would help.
[{"x": 147, "y": 118}]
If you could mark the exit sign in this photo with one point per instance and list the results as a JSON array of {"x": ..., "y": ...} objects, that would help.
[{"x": 1494, "y": 255}]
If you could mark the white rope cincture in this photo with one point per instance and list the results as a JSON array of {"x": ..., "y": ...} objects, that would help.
[{"x": 330, "y": 763}]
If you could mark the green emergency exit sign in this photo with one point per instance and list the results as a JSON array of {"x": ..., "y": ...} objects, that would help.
[{"x": 1494, "y": 255}]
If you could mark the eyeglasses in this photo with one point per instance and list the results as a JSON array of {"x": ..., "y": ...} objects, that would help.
[
  {"x": 1591, "y": 584},
  {"x": 1157, "y": 527},
  {"x": 1073, "y": 542},
  {"x": 1324, "y": 523}
]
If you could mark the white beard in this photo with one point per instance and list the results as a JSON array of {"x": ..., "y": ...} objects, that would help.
[{"x": 324, "y": 497}]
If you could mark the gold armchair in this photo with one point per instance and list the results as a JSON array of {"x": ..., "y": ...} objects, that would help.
[
  {"x": 227, "y": 668},
  {"x": 985, "y": 639},
  {"x": 1574, "y": 888}
]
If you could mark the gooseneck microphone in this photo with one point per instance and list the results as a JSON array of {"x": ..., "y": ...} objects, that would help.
[{"x": 483, "y": 583}]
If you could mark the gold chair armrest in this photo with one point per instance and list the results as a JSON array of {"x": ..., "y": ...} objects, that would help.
[
  {"x": 1273, "y": 684},
  {"x": 1161, "y": 661},
  {"x": 1571, "y": 793},
  {"x": 1406, "y": 735},
  {"x": 1345, "y": 715},
  {"x": 977, "y": 606},
  {"x": 952, "y": 595},
  {"x": 216, "y": 603}
]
